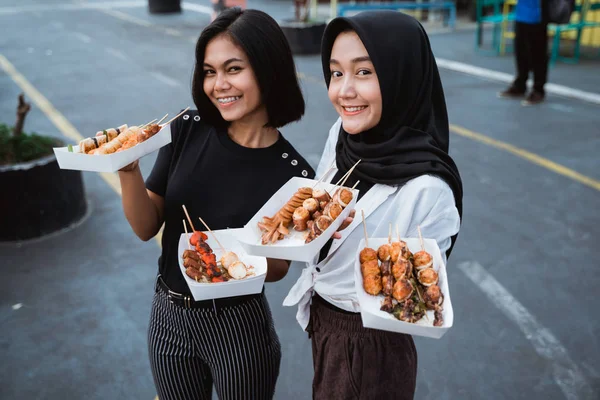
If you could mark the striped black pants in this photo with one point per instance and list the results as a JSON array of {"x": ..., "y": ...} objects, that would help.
[{"x": 235, "y": 348}]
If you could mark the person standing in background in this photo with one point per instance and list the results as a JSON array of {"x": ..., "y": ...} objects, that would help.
[
  {"x": 221, "y": 5},
  {"x": 531, "y": 51}
]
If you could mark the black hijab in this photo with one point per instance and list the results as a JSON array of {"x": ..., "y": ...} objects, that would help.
[{"x": 412, "y": 137}]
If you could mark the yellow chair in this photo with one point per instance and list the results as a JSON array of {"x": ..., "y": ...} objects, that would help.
[{"x": 507, "y": 15}]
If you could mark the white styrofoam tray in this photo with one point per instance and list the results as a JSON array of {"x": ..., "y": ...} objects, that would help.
[
  {"x": 207, "y": 291},
  {"x": 110, "y": 162},
  {"x": 293, "y": 246},
  {"x": 373, "y": 317}
]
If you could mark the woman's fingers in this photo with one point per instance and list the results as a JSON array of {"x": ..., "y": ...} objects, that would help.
[
  {"x": 347, "y": 221},
  {"x": 344, "y": 225}
]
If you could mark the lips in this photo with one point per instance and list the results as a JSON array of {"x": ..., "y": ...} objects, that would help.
[
  {"x": 353, "y": 110},
  {"x": 227, "y": 100}
]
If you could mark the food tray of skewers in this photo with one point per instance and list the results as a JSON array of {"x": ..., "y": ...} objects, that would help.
[
  {"x": 298, "y": 220},
  {"x": 113, "y": 148},
  {"x": 402, "y": 286},
  {"x": 214, "y": 264}
]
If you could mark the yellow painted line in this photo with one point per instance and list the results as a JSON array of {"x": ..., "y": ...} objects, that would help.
[
  {"x": 59, "y": 120},
  {"x": 529, "y": 156},
  {"x": 522, "y": 153}
]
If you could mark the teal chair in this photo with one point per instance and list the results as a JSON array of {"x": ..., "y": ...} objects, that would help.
[
  {"x": 496, "y": 19},
  {"x": 582, "y": 8}
]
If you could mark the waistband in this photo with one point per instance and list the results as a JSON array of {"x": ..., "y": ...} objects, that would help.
[
  {"x": 187, "y": 301},
  {"x": 327, "y": 317}
]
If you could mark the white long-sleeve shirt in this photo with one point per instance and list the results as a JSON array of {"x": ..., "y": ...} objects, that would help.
[{"x": 427, "y": 201}]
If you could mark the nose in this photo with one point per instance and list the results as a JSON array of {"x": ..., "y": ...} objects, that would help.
[
  {"x": 347, "y": 90},
  {"x": 221, "y": 83}
]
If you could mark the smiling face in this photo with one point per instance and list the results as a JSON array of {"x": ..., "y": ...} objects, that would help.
[
  {"x": 354, "y": 88},
  {"x": 230, "y": 83}
]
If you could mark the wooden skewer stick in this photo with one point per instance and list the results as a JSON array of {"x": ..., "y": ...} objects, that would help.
[
  {"x": 342, "y": 178},
  {"x": 347, "y": 173},
  {"x": 355, "y": 185},
  {"x": 162, "y": 119},
  {"x": 174, "y": 118},
  {"x": 397, "y": 232},
  {"x": 350, "y": 172},
  {"x": 325, "y": 174},
  {"x": 148, "y": 123},
  {"x": 421, "y": 237},
  {"x": 187, "y": 235},
  {"x": 188, "y": 217},
  {"x": 390, "y": 234},
  {"x": 365, "y": 227},
  {"x": 212, "y": 233}
]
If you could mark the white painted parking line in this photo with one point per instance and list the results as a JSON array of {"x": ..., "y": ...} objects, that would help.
[
  {"x": 142, "y": 22},
  {"x": 165, "y": 79},
  {"x": 83, "y": 37},
  {"x": 128, "y": 18},
  {"x": 173, "y": 32},
  {"x": 116, "y": 53},
  {"x": 567, "y": 375},
  {"x": 492, "y": 75},
  {"x": 57, "y": 25},
  {"x": 197, "y": 8},
  {"x": 72, "y": 7}
]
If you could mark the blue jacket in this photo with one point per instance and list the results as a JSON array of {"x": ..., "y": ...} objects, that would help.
[{"x": 529, "y": 11}]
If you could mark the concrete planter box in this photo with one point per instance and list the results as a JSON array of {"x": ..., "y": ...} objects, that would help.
[{"x": 38, "y": 198}]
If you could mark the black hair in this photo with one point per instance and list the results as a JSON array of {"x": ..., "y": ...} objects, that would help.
[{"x": 270, "y": 56}]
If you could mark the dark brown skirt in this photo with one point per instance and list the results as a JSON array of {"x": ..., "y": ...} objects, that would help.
[{"x": 353, "y": 362}]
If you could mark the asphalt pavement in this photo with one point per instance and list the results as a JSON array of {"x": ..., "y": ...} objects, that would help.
[{"x": 74, "y": 307}]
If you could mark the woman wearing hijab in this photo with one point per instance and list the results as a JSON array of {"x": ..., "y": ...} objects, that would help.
[{"x": 383, "y": 81}]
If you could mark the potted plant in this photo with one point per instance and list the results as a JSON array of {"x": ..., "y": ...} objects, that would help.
[
  {"x": 304, "y": 31},
  {"x": 38, "y": 197}
]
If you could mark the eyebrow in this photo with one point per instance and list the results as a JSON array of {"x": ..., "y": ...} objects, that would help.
[
  {"x": 354, "y": 60},
  {"x": 226, "y": 62}
]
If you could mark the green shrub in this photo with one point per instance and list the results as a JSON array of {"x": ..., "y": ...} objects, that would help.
[{"x": 25, "y": 147}]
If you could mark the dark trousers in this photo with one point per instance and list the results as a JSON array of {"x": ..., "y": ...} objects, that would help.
[
  {"x": 531, "y": 52},
  {"x": 235, "y": 349},
  {"x": 352, "y": 362}
]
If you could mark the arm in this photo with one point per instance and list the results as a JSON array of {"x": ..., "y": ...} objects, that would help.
[
  {"x": 143, "y": 202},
  {"x": 143, "y": 208},
  {"x": 276, "y": 269}
]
